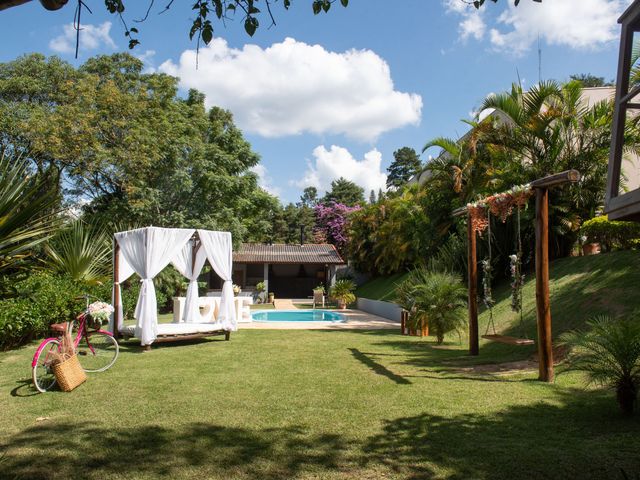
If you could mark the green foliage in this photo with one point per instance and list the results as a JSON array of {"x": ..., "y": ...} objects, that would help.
[
  {"x": 609, "y": 353},
  {"x": 345, "y": 192},
  {"x": 406, "y": 163},
  {"x": 81, "y": 252},
  {"x": 42, "y": 299},
  {"x": 435, "y": 299},
  {"x": 587, "y": 80},
  {"x": 26, "y": 203},
  {"x": 611, "y": 234},
  {"x": 342, "y": 291},
  {"x": 138, "y": 152}
]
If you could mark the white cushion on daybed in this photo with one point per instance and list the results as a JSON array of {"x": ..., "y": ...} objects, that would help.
[{"x": 177, "y": 328}]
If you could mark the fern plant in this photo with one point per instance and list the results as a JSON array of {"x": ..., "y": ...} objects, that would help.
[
  {"x": 435, "y": 299},
  {"x": 609, "y": 353}
]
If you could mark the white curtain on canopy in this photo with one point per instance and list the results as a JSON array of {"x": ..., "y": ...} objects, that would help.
[
  {"x": 124, "y": 271},
  {"x": 218, "y": 248},
  {"x": 190, "y": 266},
  {"x": 148, "y": 251}
]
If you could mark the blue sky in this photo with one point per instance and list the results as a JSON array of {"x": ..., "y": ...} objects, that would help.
[{"x": 335, "y": 95}]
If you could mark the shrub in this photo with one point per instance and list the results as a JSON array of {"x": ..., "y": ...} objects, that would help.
[
  {"x": 609, "y": 353},
  {"x": 611, "y": 234},
  {"x": 342, "y": 291},
  {"x": 42, "y": 299},
  {"x": 435, "y": 299}
]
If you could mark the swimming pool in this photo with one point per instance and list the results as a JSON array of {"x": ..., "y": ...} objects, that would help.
[{"x": 296, "y": 316}]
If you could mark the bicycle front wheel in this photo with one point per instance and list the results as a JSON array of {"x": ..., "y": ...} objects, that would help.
[
  {"x": 42, "y": 374},
  {"x": 97, "y": 352}
]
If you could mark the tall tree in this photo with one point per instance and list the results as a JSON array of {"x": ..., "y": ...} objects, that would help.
[
  {"x": 137, "y": 153},
  {"x": 309, "y": 197},
  {"x": 406, "y": 163},
  {"x": 345, "y": 192},
  {"x": 587, "y": 80}
]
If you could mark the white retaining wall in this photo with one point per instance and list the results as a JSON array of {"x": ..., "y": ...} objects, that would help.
[{"x": 382, "y": 309}]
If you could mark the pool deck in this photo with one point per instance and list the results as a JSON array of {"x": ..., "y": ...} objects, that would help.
[{"x": 356, "y": 319}]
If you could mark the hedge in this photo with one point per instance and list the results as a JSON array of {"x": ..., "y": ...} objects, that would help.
[{"x": 611, "y": 234}]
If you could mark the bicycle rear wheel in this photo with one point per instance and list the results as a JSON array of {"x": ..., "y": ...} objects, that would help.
[
  {"x": 97, "y": 352},
  {"x": 42, "y": 374}
]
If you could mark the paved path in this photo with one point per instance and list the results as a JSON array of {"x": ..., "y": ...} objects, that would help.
[{"x": 283, "y": 304}]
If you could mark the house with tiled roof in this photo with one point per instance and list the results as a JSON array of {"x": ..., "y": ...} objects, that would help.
[{"x": 288, "y": 270}]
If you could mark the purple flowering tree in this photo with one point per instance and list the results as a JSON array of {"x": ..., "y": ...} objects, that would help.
[{"x": 331, "y": 223}]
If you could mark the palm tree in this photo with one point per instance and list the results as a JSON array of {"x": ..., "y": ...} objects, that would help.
[
  {"x": 435, "y": 299},
  {"x": 548, "y": 129},
  {"x": 26, "y": 210},
  {"x": 609, "y": 352},
  {"x": 80, "y": 251}
]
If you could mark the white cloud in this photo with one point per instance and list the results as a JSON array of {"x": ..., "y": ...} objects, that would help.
[
  {"x": 265, "y": 181},
  {"x": 147, "y": 59},
  {"x": 92, "y": 37},
  {"x": 583, "y": 24},
  {"x": 329, "y": 165},
  {"x": 291, "y": 87},
  {"x": 472, "y": 23},
  {"x": 577, "y": 24}
]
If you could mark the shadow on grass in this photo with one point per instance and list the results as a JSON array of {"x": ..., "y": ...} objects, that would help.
[
  {"x": 133, "y": 345},
  {"x": 581, "y": 437},
  {"x": 65, "y": 450},
  {"x": 574, "y": 435},
  {"x": 366, "y": 359}
]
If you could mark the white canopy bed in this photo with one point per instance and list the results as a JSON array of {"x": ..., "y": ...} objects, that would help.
[{"x": 146, "y": 251}]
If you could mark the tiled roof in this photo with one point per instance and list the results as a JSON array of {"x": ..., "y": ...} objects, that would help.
[{"x": 281, "y": 253}]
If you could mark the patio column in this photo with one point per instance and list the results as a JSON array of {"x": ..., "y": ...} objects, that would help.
[
  {"x": 332, "y": 275},
  {"x": 266, "y": 279}
]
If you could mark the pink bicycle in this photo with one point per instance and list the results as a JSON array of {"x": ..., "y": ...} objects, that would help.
[{"x": 97, "y": 350}]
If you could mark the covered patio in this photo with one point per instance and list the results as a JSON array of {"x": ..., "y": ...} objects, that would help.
[{"x": 287, "y": 270}]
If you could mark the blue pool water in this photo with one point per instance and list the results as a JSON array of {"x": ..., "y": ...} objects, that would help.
[{"x": 296, "y": 316}]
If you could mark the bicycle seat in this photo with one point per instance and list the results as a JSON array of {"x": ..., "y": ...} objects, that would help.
[{"x": 58, "y": 327}]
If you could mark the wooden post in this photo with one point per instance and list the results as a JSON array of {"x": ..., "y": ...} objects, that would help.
[
  {"x": 472, "y": 268},
  {"x": 543, "y": 304},
  {"x": 116, "y": 290}
]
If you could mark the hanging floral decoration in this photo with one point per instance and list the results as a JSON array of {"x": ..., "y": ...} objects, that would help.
[
  {"x": 486, "y": 283},
  {"x": 517, "y": 282},
  {"x": 501, "y": 204},
  {"x": 477, "y": 217}
]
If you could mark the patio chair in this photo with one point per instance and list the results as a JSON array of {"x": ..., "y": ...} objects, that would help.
[{"x": 318, "y": 297}]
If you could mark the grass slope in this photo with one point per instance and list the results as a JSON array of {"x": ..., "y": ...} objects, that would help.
[
  {"x": 580, "y": 288},
  {"x": 381, "y": 288}
]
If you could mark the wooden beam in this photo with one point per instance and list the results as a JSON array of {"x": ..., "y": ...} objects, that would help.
[
  {"x": 116, "y": 290},
  {"x": 568, "y": 176},
  {"x": 543, "y": 304},
  {"x": 472, "y": 269}
]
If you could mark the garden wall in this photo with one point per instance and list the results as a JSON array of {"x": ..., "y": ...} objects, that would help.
[{"x": 382, "y": 309}]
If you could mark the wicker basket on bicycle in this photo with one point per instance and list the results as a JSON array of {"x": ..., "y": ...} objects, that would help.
[{"x": 69, "y": 373}]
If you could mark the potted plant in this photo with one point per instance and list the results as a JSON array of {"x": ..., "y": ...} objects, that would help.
[
  {"x": 260, "y": 288},
  {"x": 236, "y": 289},
  {"x": 342, "y": 292},
  {"x": 272, "y": 297}
]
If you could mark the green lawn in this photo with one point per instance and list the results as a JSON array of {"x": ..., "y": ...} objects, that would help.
[
  {"x": 331, "y": 404},
  {"x": 308, "y": 404}
]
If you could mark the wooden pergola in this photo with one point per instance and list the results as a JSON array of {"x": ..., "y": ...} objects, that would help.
[
  {"x": 621, "y": 205},
  {"x": 543, "y": 303}
]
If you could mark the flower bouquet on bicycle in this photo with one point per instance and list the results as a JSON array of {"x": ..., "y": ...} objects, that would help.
[{"x": 96, "y": 349}]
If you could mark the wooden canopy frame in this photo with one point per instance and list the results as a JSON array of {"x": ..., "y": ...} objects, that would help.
[
  {"x": 197, "y": 244},
  {"x": 623, "y": 206},
  {"x": 543, "y": 303}
]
